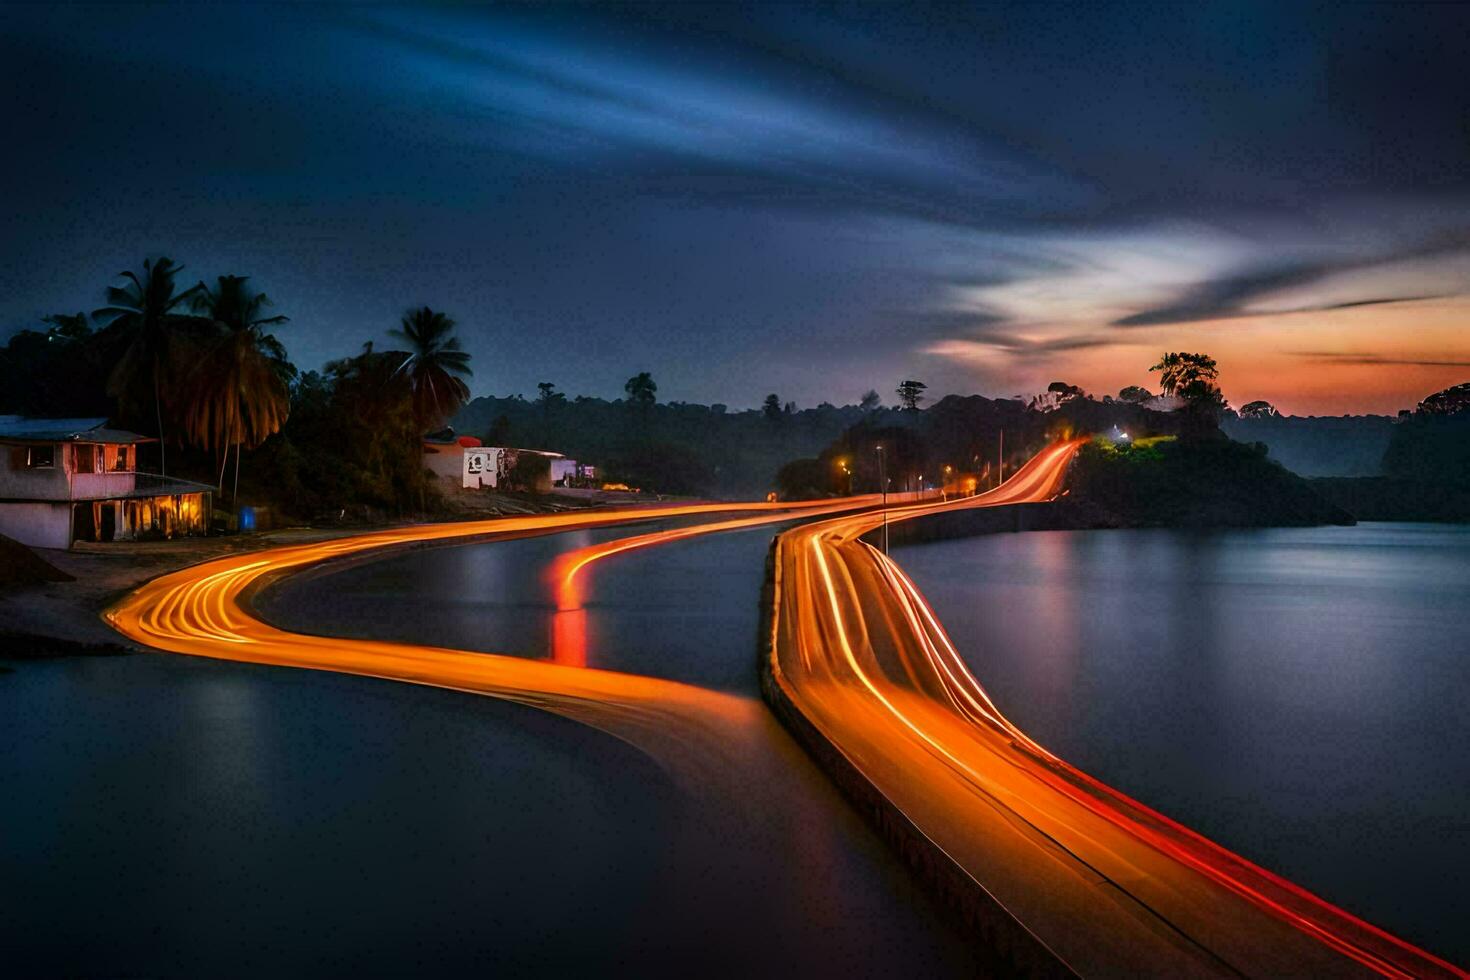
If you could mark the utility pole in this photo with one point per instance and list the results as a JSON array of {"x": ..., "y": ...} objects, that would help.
[
  {"x": 883, "y": 479},
  {"x": 1000, "y": 472}
]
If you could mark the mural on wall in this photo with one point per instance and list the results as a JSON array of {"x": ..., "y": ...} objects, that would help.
[{"x": 482, "y": 467}]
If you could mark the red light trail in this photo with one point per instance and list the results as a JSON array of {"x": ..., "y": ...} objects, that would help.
[{"x": 1108, "y": 884}]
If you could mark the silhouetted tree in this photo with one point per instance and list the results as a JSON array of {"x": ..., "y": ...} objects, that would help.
[
  {"x": 641, "y": 389},
  {"x": 1179, "y": 369},
  {"x": 146, "y": 308},
  {"x": 910, "y": 393},
  {"x": 499, "y": 434},
  {"x": 432, "y": 365},
  {"x": 235, "y": 393},
  {"x": 64, "y": 326},
  {"x": 1259, "y": 410},
  {"x": 62, "y": 370},
  {"x": 771, "y": 408},
  {"x": 1192, "y": 378},
  {"x": 1451, "y": 401},
  {"x": 804, "y": 479},
  {"x": 870, "y": 401},
  {"x": 1135, "y": 395}
]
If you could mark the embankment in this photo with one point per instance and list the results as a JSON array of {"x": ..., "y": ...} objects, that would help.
[{"x": 1015, "y": 950}]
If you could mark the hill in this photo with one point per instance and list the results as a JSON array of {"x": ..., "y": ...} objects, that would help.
[
  {"x": 1196, "y": 483},
  {"x": 1346, "y": 445}
]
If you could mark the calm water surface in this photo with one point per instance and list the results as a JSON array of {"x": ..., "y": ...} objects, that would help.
[
  {"x": 176, "y": 816},
  {"x": 686, "y": 611},
  {"x": 1299, "y": 695}
]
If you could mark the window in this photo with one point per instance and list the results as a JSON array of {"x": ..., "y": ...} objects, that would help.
[
  {"x": 39, "y": 456},
  {"x": 86, "y": 457},
  {"x": 121, "y": 458}
]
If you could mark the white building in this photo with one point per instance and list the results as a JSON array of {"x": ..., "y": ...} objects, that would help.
[{"x": 65, "y": 480}]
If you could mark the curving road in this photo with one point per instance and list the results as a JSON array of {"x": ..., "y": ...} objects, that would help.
[
  {"x": 204, "y": 610},
  {"x": 1104, "y": 883}
]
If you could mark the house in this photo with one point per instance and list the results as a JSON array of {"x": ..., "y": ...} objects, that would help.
[
  {"x": 444, "y": 453},
  {"x": 504, "y": 468},
  {"x": 570, "y": 473},
  {"x": 65, "y": 480},
  {"x": 474, "y": 466}
]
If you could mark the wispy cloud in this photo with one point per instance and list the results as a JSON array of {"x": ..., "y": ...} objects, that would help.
[
  {"x": 1344, "y": 358},
  {"x": 717, "y": 128},
  {"x": 1397, "y": 271}
]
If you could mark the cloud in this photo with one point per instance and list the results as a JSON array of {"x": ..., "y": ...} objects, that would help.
[
  {"x": 1430, "y": 269},
  {"x": 706, "y": 127},
  {"x": 1345, "y": 358},
  {"x": 1015, "y": 345}
]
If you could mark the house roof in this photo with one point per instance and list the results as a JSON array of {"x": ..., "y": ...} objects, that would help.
[{"x": 20, "y": 428}]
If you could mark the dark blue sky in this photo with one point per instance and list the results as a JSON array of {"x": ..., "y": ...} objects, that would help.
[{"x": 810, "y": 200}]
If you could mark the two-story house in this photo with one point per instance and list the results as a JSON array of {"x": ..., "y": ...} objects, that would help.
[{"x": 65, "y": 480}]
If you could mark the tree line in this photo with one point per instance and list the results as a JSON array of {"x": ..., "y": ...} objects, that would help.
[{"x": 201, "y": 368}]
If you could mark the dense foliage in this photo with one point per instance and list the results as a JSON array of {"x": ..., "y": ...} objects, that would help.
[
  {"x": 199, "y": 367},
  {"x": 1433, "y": 444},
  {"x": 970, "y": 435},
  {"x": 1193, "y": 483},
  {"x": 672, "y": 447}
]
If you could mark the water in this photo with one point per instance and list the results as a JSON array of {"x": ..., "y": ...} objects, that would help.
[
  {"x": 174, "y": 816},
  {"x": 686, "y": 611},
  {"x": 1298, "y": 695}
]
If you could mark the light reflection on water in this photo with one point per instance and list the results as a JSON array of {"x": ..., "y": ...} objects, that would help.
[
  {"x": 1296, "y": 694},
  {"x": 685, "y": 611},
  {"x": 174, "y": 816}
]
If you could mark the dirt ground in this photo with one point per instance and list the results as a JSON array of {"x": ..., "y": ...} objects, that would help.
[{"x": 71, "y": 611}]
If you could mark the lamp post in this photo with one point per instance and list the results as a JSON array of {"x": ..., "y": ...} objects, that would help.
[
  {"x": 883, "y": 483},
  {"x": 1000, "y": 474}
]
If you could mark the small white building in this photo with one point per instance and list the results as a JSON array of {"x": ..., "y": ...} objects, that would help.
[{"x": 65, "y": 480}]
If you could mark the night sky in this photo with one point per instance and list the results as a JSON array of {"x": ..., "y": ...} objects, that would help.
[{"x": 811, "y": 201}]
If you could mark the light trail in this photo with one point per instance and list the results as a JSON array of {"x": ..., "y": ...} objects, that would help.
[
  {"x": 1107, "y": 884},
  {"x": 204, "y": 610}
]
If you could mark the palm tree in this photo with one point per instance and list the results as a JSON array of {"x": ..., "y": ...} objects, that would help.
[
  {"x": 144, "y": 308},
  {"x": 238, "y": 394},
  {"x": 431, "y": 363}
]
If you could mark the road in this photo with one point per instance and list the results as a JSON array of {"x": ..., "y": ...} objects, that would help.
[
  {"x": 759, "y": 866},
  {"x": 1107, "y": 885}
]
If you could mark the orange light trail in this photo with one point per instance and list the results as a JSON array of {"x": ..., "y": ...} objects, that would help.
[
  {"x": 1107, "y": 884},
  {"x": 1110, "y": 885},
  {"x": 204, "y": 610}
]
